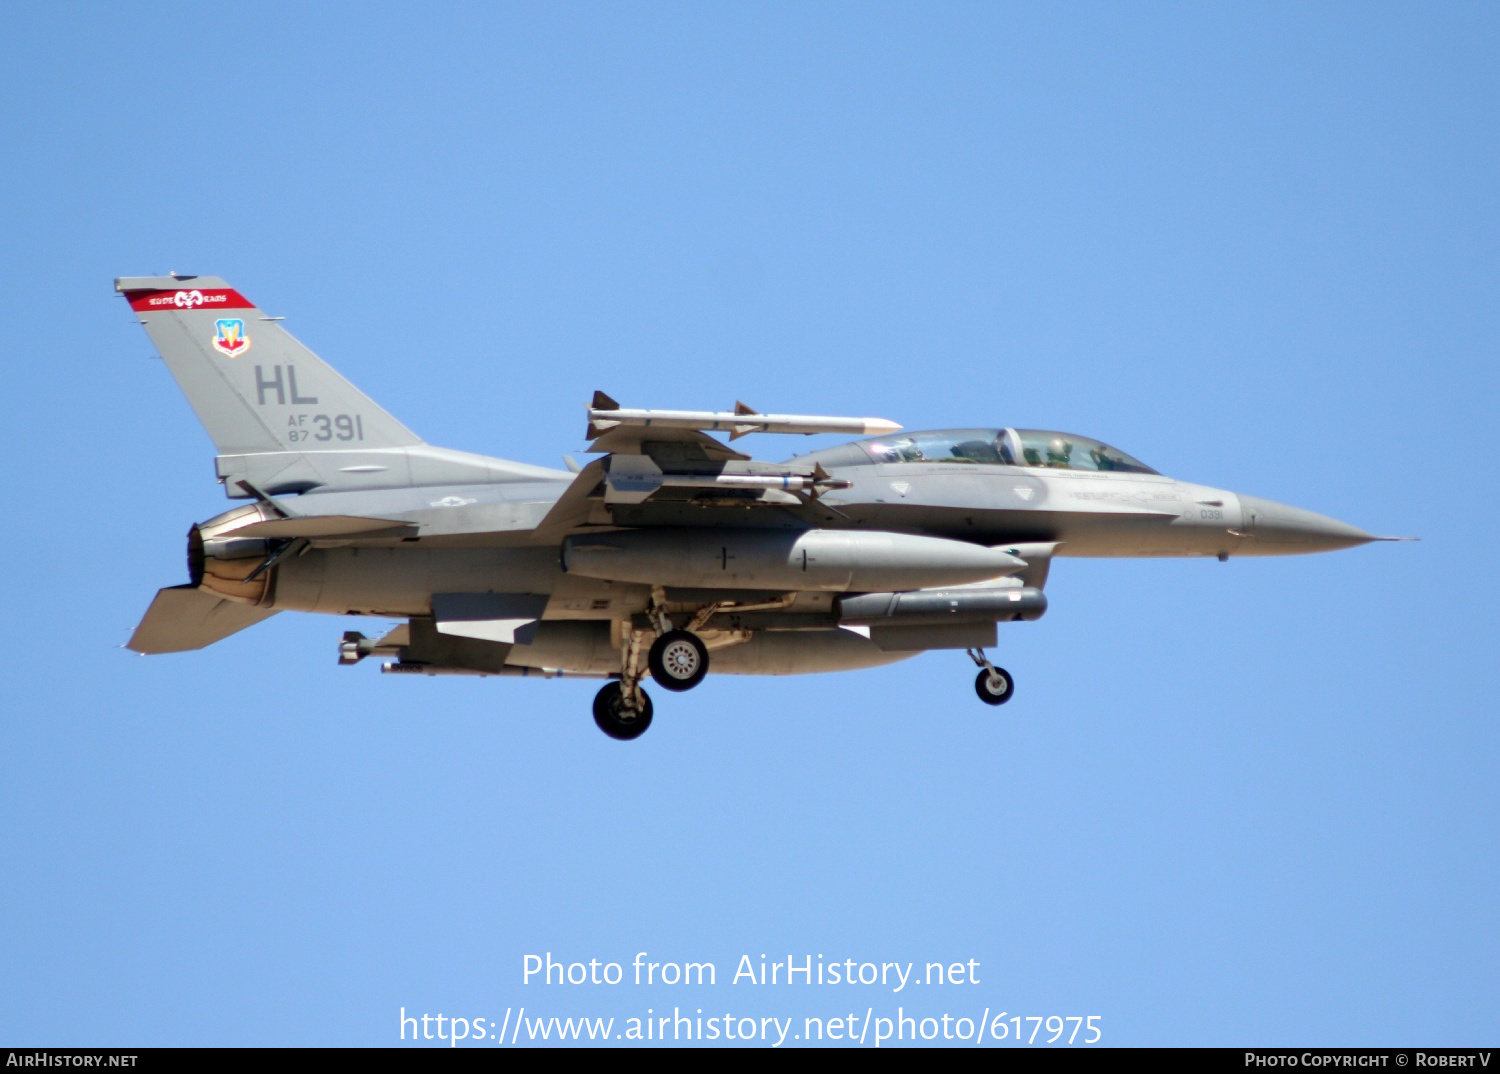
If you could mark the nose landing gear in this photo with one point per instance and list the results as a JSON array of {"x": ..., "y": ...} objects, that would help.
[{"x": 993, "y": 685}]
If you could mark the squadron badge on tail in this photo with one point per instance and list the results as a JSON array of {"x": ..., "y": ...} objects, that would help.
[{"x": 230, "y": 337}]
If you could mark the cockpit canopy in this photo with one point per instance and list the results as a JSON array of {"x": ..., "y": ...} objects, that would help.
[{"x": 997, "y": 447}]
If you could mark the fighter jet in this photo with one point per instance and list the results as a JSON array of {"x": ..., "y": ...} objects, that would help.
[{"x": 668, "y": 555}]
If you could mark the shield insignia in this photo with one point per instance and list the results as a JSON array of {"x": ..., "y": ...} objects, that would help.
[{"x": 230, "y": 338}]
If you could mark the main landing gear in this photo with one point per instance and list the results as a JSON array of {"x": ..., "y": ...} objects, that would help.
[
  {"x": 994, "y": 685},
  {"x": 620, "y": 714},
  {"x": 677, "y": 660}
]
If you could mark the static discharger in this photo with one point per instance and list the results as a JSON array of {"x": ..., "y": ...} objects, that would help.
[{"x": 606, "y": 414}]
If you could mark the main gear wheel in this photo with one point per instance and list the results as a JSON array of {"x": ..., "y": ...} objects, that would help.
[
  {"x": 678, "y": 660},
  {"x": 619, "y": 716}
]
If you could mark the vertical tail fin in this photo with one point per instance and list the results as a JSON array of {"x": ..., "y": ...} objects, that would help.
[
  {"x": 254, "y": 386},
  {"x": 282, "y": 418}
]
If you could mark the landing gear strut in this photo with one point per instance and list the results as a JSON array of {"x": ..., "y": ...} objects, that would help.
[
  {"x": 677, "y": 660},
  {"x": 622, "y": 709},
  {"x": 994, "y": 685}
]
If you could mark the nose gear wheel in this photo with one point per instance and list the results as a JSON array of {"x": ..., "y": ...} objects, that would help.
[{"x": 994, "y": 686}]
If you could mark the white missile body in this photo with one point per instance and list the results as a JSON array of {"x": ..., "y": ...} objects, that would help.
[
  {"x": 736, "y": 424},
  {"x": 633, "y": 478},
  {"x": 785, "y": 482}
]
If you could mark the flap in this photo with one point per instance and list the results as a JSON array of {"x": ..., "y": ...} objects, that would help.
[{"x": 184, "y": 617}]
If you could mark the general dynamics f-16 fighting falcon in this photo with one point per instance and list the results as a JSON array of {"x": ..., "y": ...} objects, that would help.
[{"x": 670, "y": 554}]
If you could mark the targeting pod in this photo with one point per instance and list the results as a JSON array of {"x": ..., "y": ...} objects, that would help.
[{"x": 930, "y": 607}]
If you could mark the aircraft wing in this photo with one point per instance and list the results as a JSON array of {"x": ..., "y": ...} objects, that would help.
[
  {"x": 572, "y": 507},
  {"x": 630, "y": 440},
  {"x": 184, "y": 617}
]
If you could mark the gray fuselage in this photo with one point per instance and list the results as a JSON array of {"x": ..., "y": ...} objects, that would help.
[{"x": 478, "y": 538}]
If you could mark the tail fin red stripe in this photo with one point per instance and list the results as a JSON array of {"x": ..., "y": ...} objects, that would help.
[{"x": 187, "y": 298}]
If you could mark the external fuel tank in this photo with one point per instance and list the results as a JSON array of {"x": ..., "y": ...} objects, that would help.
[{"x": 830, "y": 560}]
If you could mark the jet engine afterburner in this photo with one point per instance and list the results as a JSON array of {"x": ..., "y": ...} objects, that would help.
[{"x": 233, "y": 567}]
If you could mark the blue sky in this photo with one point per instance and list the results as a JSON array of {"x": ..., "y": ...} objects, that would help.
[{"x": 1254, "y": 245}]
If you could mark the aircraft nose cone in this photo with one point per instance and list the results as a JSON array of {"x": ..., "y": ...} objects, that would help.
[{"x": 1276, "y": 529}]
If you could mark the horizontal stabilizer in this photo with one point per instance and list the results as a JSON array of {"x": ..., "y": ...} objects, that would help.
[
  {"x": 184, "y": 617},
  {"x": 319, "y": 526}
]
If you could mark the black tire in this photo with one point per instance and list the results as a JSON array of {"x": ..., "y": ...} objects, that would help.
[
  {"x": 678, "y": 660},
  {"x": 990, "y": 696},
  {"x": 614, "y": 719}
]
